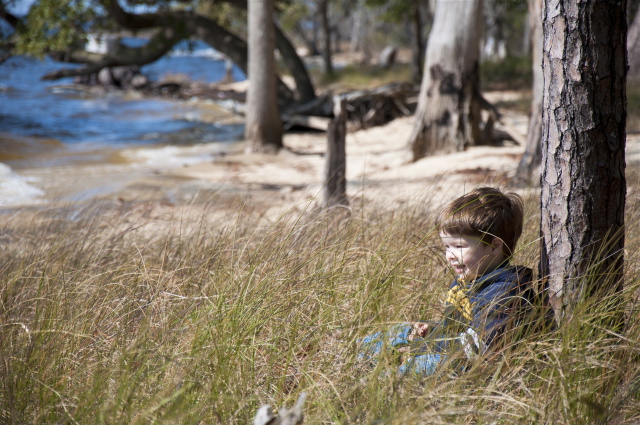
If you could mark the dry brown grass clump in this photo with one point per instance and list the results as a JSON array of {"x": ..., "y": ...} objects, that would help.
[{"x": 109, "y": 315}]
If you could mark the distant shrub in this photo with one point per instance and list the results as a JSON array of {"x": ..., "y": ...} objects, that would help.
[{"x": 510, "y": 73}]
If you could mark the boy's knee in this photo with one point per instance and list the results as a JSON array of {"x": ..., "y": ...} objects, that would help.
[{"x": 424, "y": 364}]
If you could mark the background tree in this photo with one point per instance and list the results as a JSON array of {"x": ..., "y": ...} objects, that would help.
[
  {"x": 583, "y": 154},
  {"x": 448, "y": 114},
  {"x": 323, "y": 11},
  {"x": 410, "y": 12},
  {"x": 633, "y": 44},
  {"x": 531, "y": 158},
  {"x": 7, "y": 45},
  {"x": 60, "y": 30},
  {"x": 263, "y": 128}
]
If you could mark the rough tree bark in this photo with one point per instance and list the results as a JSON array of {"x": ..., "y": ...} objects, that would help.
[
  {"x": 263, "y": 127},
  {"x": 530, "y": 161},
  {"x": 583, "y": 149},
  {"x": 448, "y": 115}
]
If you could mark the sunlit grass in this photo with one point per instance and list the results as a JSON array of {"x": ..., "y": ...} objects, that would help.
[
  {"x": 115, "y": 316},
  {"x": 510, "y": 73},
  {"x": 633, "y": 106},
  {"x": 362, "y": 77}
]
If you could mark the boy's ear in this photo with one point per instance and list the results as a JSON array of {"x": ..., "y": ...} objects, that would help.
[{"x": 496, "y": 245}]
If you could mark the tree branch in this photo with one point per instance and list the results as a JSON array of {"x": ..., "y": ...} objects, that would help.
[
  {"x": 296, "y": 66},
  {"x": 180, "y": 24},
  {"x": 157, "y": 47},
  {"x": 202, "y": 27},
  {"x": 7, "y": 16}
]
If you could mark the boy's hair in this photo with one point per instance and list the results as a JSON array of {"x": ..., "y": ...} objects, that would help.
[{"x": 486, "y": 213}]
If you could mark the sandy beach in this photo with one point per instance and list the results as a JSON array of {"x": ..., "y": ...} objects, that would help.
[{"x": 377, "y": 169}]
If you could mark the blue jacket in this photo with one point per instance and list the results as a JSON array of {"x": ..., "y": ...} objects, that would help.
[{"x": 480, "y": 314}]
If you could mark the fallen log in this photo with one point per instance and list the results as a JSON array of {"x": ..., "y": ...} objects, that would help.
[
  {"x": 307, "y": 121},
  {"x": 364, "y": 108}
]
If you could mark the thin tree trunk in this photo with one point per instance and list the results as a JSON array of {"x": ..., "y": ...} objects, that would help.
[
  {"x": 356, "y": 28},
  {"x": 309, "y": 41},
  {"x": 633, "y": 45},
  {"x": 335, "y": 180},
  {"x": 326, "y": 36},
  {"x": 448, "y": 115},
  {"x": 263, "y": 128},
  {"x": 417, "y": 45},
  {"x": 530, "y": 161},
  {"x": 583, "y": 150}
]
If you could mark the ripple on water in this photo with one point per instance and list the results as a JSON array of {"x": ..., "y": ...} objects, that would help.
[{"x": 16, "y": 189}]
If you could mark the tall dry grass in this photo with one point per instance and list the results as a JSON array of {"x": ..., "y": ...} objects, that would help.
[{"x": 114, "y": 316}]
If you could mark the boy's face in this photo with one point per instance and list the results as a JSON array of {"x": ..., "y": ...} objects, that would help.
[{"x": 469, "y": 256}]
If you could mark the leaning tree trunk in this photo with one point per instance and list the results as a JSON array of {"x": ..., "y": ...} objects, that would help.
[
  {"x": 263, "y": 128},
  {"x": 530, "y": 161},
  {"x": 448, "y": 115},
  {"x": 306, "y": 92},
  {"x": 583, "y": 149}
]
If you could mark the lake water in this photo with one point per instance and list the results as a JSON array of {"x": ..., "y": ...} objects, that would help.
[{"x": 48, "y": 123}]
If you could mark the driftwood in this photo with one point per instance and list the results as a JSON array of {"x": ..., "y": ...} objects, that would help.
[
  {"x": 307, "y": 121},
  {"x": 265, "y": 415},
  {"x": 364, "y": 108},
  {"x": 335, "y": 179}
]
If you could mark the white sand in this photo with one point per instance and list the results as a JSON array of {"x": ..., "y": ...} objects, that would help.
[{"x": 377, "y": 169}]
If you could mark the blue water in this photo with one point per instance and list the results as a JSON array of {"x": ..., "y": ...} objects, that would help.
[{"x": 36, "y": 114}]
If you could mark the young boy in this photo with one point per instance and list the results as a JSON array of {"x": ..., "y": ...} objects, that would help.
[{"x": 487, "y": 299}]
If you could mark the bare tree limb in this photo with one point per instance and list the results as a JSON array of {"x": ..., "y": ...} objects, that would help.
[
  {"x": 204, "y": 28},
  {"x": 296, "y": 66},
  {"x": 7, "y": 16},
  {"x": 159, "y": 45},
  {"x": 175, "y": 26}
]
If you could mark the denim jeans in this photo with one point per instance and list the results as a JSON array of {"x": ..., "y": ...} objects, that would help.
[{"x": 371, "y": 346}]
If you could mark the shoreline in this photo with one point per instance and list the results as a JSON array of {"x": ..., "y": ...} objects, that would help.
[{"x": 183, "y": 175}]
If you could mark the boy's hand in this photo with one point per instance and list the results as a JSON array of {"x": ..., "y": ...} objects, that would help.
[{"x": 420, "y": 330}]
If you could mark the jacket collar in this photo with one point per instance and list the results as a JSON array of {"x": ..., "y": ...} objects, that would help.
[{"x": 499, "y": 273}]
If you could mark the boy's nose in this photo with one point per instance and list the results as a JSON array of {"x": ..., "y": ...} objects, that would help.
[{"x": 450, "y": 256}]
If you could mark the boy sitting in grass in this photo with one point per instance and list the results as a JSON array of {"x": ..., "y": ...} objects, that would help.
[{"x": 488, "y": 298}]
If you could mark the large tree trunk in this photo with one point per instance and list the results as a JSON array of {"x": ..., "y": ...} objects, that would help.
[
  {"x": 448, "y": 115},
  {"x": 583, "y": 149},
  {"x": 263, "y": 128},
  {"x": 530, "y": 161}
]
